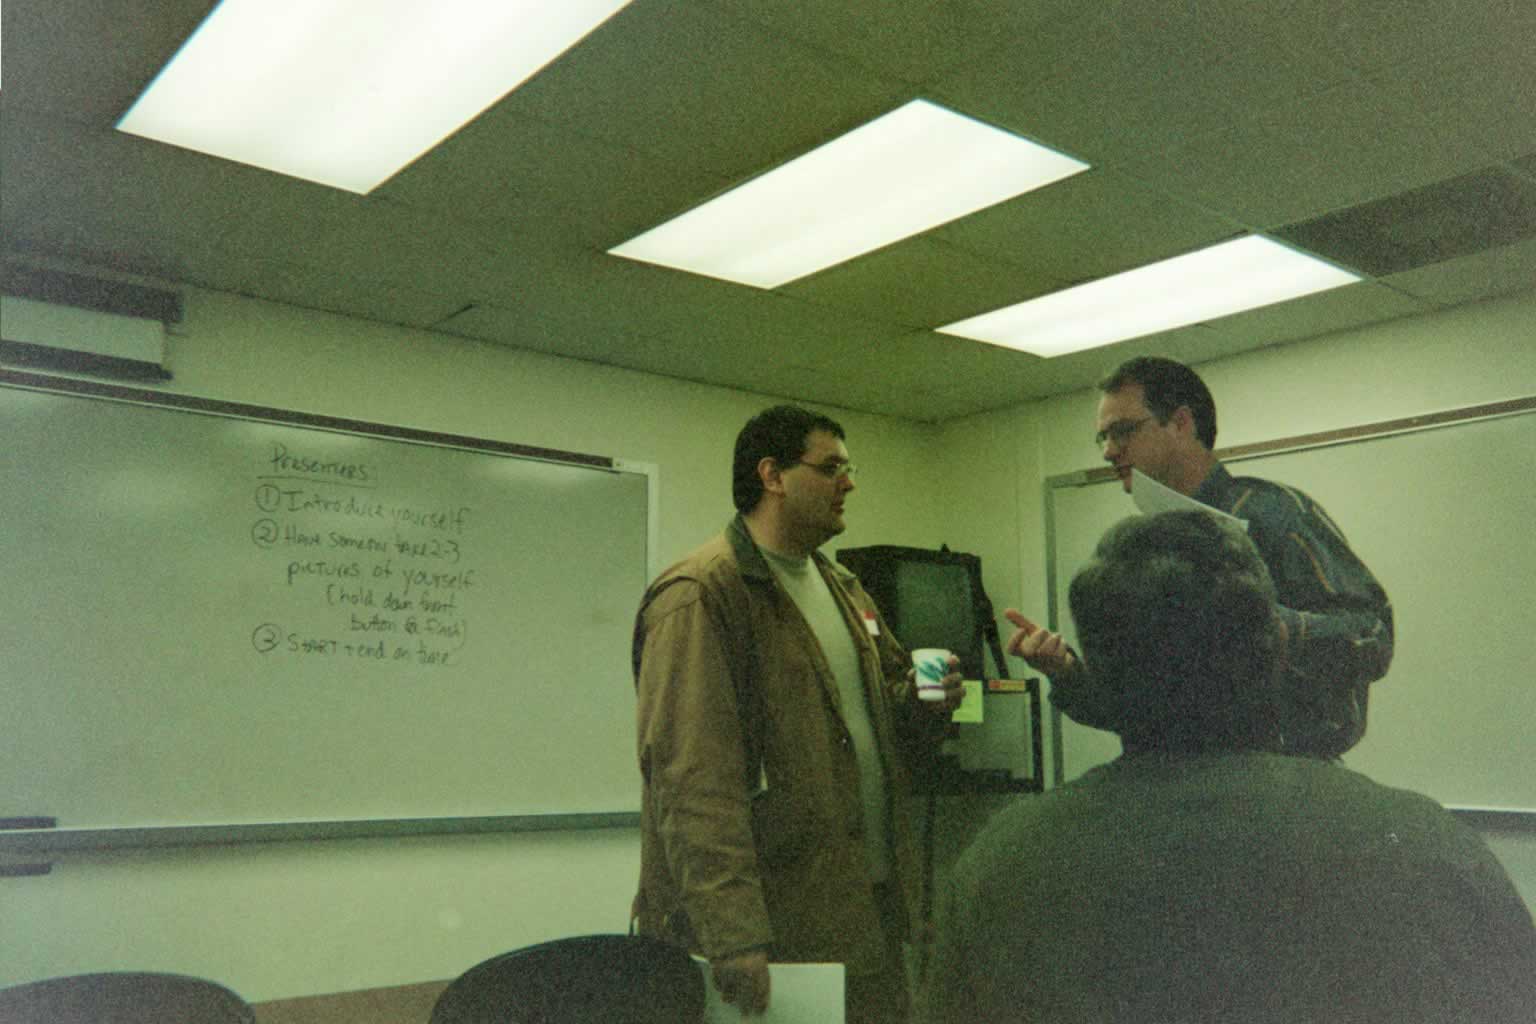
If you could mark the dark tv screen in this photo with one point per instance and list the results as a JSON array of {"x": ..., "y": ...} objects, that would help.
[{"x": 935, "y": 606}]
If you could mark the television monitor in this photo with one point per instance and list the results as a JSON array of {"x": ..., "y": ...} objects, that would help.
[{"x": 928, "y": 598}]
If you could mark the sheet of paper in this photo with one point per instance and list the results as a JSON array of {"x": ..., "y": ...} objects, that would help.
[
  {"x": 797, "y": 994},
  {"x": 1152, "y": 497},
  {"x": 970, "y": 709}
]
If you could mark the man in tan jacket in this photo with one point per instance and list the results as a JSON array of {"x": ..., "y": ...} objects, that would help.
[{"x": 777, "y": 726}]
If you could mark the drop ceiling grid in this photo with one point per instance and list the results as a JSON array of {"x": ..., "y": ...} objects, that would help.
[{"x": 1274, "y": 112}]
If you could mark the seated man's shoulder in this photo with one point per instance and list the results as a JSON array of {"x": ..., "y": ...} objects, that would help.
[
  {"x": 1282, "y": 784},
  {"x": 1354, "y": 804},
  {"x": 1065, "y": 808}
]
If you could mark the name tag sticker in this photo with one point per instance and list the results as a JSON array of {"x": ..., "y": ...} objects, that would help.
[{"x": 871, "y": 624}]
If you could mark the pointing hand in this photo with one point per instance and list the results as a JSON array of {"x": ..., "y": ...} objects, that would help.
[{"x": 1045, "y": 651}]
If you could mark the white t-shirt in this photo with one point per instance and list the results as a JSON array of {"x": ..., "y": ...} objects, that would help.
[{"x": 805, "y": 586}]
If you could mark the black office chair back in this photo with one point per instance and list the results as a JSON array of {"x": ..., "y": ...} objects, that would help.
[
  {"x": 123, "y": 997},
  {"x": 590, "y": 979}
]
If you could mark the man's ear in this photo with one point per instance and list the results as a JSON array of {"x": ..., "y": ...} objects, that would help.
[
  {"x": 1183, "y": 420},
  {"x": 770, "y": 474}
]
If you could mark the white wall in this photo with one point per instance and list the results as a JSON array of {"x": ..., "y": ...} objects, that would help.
[{"x": 283, "y": 919}]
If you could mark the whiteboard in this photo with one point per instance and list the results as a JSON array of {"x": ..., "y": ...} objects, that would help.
[
  {"x": 1443, "y": 519},
  {"x": 223, "y": 614}
]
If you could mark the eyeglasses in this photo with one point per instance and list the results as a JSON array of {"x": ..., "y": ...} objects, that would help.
[
  {"x": 832, "y": 470},
  {"x": 1120, "y": 431}
]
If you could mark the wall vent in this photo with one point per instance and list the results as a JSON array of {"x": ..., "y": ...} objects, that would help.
[
  {"x": 1456, "y": 217},
  {"x": 57, "y": 321}
]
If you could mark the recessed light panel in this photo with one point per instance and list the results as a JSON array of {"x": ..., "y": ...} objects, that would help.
[
  {"x": 347, "y": 92},
  {"x": 912, "y": 169},
  {"x": 1228, "y": 278}
]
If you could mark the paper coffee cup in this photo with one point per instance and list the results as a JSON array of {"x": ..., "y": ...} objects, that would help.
[{"x": 930, "y": 665}]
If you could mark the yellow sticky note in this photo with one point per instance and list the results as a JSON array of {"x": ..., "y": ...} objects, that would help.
[{"x": 969, "y": 710}]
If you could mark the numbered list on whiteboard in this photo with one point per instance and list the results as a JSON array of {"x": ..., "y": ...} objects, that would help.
[{"x": 356, "y": 573}]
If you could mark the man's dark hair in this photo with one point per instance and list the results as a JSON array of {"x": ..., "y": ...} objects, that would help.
[
  {"x": 1176, "y": 618},
  {"x": 1166, "y": 385},
  {"x": 779, "y": 433}
]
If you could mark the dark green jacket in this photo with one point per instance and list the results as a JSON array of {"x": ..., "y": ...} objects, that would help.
[{"x": 1249, "y": 888}]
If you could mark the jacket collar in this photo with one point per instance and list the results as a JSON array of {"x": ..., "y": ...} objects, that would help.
[
  {"x": 751, "y": 559},
  {"x": 1213, "y": 490}
]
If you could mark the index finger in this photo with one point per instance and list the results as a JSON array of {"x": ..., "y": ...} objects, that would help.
[{"x": 1013, "y": 616}]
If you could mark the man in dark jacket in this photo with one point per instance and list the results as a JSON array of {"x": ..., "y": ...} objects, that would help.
[{"x": 1157, "y": 417}]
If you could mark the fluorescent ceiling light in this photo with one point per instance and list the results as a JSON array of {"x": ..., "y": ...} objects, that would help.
[
  {"x": 1231, "y": 277},
  {"x": 347, "y": 92},
  {"x": 912, "y": 169}
]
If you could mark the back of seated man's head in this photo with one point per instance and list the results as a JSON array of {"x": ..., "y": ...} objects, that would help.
[{"x": 1176, "y": 618}]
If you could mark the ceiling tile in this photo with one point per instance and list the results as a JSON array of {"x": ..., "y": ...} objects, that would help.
[
  {"x": 27, "y": 163},
  {"x": 73, "y": 174},
  {"x": 1137, "y": 76},
  {"x": 1482, "y": 105},
  {"x": 692, "y": 83},
  {"x": 116, "y": 47},
  {"x": 593, "y": 287},
  {"x": 539, "y": 331},
  {"x": 380, "y": 241},
  {"x": 1075, "y": 90},
  {"x": 1351, "y": 144},
  {"x": 869, "y": 394},
  {"x": 1353, "y": 305},
  {"x": 1501, "y": 271},
  {"x": 513, "y": 169},
  {"x": 921, "y": 283},
  {"x": 300, "y": 286},
  {"x": 1090, "y": 225},
  {"x": 1247, "y": 53},
  {"x": 910, "y": 370},
  {"x": 807, "y": 332},
  {"x": 1369, "y": 35},
  {"x": 1163, "y": 75},
  {"x": 594, "y": 295},
  {"x": 737, "y": 360},
  {"x": 914, "y": 40}
]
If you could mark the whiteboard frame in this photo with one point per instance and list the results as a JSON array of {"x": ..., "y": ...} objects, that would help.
[{"x": 32, "y": 841}]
